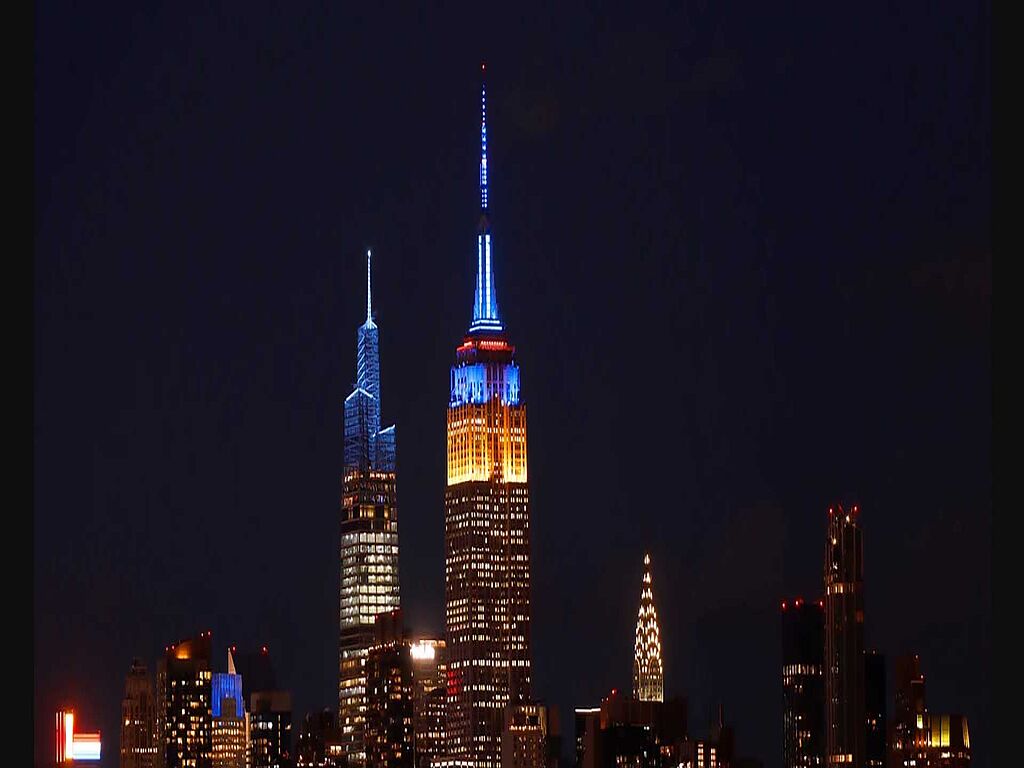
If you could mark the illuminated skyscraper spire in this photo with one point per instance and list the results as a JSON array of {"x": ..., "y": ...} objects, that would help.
[
  {"x": 485, "y": 303},
  {"x": 369, "y": 316},
  {"x": 369, "y": 533},
  {"x": 648, "y": 673}
]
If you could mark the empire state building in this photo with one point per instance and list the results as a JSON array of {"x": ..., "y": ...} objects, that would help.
[{"x": 487, "y": 521}]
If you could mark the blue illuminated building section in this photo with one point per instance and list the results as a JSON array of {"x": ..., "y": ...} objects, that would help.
[
  {"x": 485, "y": 302},
  {"x": 471, "y": 384},
  {"x": 367, "y": 446},
  {"x": 227, "y": 686}
]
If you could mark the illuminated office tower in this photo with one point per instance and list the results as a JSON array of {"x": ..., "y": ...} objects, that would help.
[
  {"x": 369, "y": 534},
  {"x": 228, "y": 727},
  {"x": 138, "y": 719},
  {"x": 648, "y": 673},
  {"x": 874, "y": 709},
  {"x": 487, "y": 522},
  {"x": 531, "y": 737},
  {"x": 430, "y": 699},
  {"x": 803, "y": 684},
  {"x": 844, "y": 640},
  {"x": 184, "y": 704}
]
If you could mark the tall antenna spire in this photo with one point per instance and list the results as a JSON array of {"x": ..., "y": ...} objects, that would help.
[
  {"x": 369, "y": 316},
  {"x": 483, "y": 140},
  {"x": 485, "y": 301}
]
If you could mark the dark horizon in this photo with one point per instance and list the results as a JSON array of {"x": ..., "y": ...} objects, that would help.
[{"x": 744, "y": 256}]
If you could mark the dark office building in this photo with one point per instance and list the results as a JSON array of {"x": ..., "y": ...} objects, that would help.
[
  {"x": 270, "y": 729},
  {"x": 319, "y": 742},
  {"x": 629, "y": 733},
  {"x": 138, "y": 719},
  {"x": 389, "y": 695},
  {"x": 256, "y": 670},
  {"x": 588, "y": 723},
  {"x": 184, "y": 721},
  {"x": 803, "y": 683},
  {"x": 844, "y": 639},
  {"x": 874, "y": 709}
]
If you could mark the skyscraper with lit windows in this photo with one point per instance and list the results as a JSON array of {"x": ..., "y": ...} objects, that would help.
[
  {"x": 184, "y": 704},
  {"x": 369, "y": 534},
  {"x": 648, "y": 672},
  {"x": 844, "y": 639},
  {"x": 138, "y": 719},
  {"x": 487, "y": 521},
  {"x": 803, "y": 683}
]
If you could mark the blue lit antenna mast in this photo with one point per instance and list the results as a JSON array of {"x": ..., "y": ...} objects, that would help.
[{"x": 485, "y": 303}]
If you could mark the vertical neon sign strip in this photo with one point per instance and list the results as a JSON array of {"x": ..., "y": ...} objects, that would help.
[{"x": 69, "y": 736}]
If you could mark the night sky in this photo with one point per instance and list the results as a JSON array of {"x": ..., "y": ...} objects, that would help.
[{"x": 744, "y": 251}]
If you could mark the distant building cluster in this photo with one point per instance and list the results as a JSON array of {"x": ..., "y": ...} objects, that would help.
[
  {"x": 466, "y": 701},
  {"x": 194, "y": 717},
  {"x": 834, "y": 690}
]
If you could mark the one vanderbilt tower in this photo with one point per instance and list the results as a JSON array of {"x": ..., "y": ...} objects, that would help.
[
  {"x": 369, "y": 534},
  {"x": 487, "y": 521}
]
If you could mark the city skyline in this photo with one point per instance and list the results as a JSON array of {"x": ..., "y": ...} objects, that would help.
[{"x": 693, "y": 393}]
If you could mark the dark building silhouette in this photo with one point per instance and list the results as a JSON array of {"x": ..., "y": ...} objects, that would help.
[
  {"x": 587, "y": 724},
  {"x": 319, "y": 743},
  {"x": 874, "y": 709},
  {"x": 270, "y": 730},
  {"x": 389, "y": 695},
  {"x": 844, "y": 639},
  {"x": 138, "y": 719},
  {"x": 628, "y": 733},
  {"x": 255, "y": 668},
  {"x": 184, "y": 724},
  {"x": 803, "y": 683},
  {"x": 268, "y": 707}
]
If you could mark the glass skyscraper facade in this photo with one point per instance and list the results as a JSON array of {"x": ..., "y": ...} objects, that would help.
[
  {"x": 487, "y": 522},
  {"x": 369, "y": 534}
]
